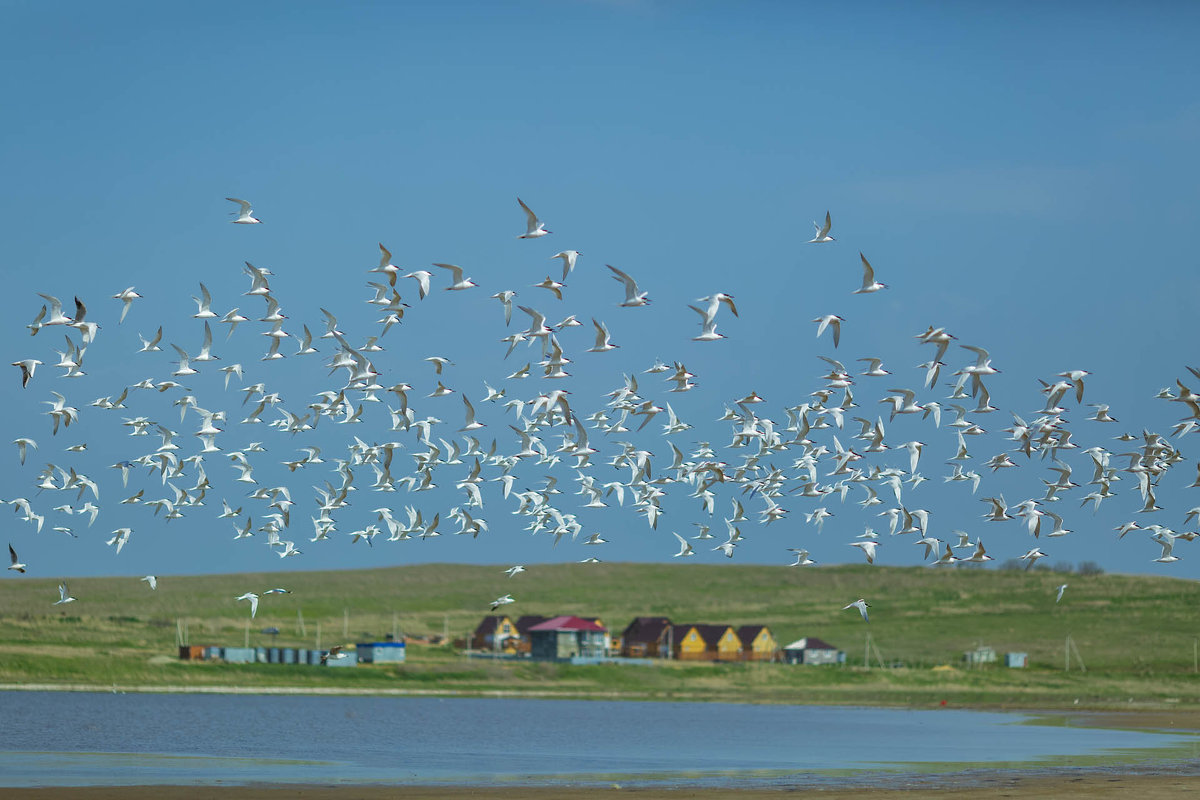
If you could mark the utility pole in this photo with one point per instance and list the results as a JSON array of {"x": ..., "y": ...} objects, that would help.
[
  {"x": 300, "y": 619},
  {"x": 247, "y": 642}
]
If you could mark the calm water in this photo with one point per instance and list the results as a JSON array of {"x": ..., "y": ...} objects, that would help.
[{"x": 121, "y": 739}]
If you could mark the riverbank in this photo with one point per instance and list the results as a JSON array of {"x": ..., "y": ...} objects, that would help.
[{"x": 987, "y": 787}]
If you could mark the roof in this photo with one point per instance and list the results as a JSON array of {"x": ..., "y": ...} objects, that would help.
[
  {"x": 490, "y": 623},
  {"x": 747, "y": 632},
  {"x": 810, "y": 643},
  {"x": 567, "y": 623},
  {"x": 527, "y": 621},
  {"x": 710, "y": 634},
  {"x": 645, "y": 629}
]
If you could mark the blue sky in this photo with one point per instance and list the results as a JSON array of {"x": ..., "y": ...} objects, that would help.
[{"x": 1023, "y": 176}]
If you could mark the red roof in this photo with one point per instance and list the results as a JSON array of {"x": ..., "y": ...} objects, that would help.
[{"x": 567, "y": 623}]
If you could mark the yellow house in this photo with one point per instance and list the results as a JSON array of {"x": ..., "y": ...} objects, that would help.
[
  {"x": 497, "y": 633},
  {"x": 758, "y": 644},
  {"x": 705, "y": 643}
]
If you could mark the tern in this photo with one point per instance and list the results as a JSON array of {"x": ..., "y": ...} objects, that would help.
[
  {"x": 862, "y": 606},
  {"x": 253, "y": 598},
  {"x": 422, "y": 277},
  {"x": 822, "y": 231},
  {"x": 502, "y": 601},
  {"x": 17, "y": 566},
  {"x": 869, "y": 284},
  {"x": 830, "y": 321},
  {"x": 152, "y": 580},
  {"x": 802, "y": 559},
  {"x": 568, "y": 258},
  {"x": 335, "y": 653},
  {"x": 533, "y": 226},
  {"x": 685, "y": 547},
  {"x": 27, "y": 366},
  {"x": 603, "y": 345},
  {"x": 554, "y": 286},
  {"x": 1061, "y": 589},
  {"x": 245, "y": 215},
  {"x": 151, "y": 345},
  {"x": 64, "y": 596},
  {"x": 511, "y": 571},
  {"x": 458, "y": 282},
  {"x": 708, "y": 330},
  {"x": 126, "y": 296},
  {"x": 506, "y": 298},
  {"x": 633, "y": 297}
]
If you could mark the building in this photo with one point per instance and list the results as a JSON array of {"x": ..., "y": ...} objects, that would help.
[
  {"x": 381, "y": 652},
  {"x": 646, "y": 637},
  {"x": 757, "y": 643},
  {"x": 811, "y": 650},
  {"x": 705, "y": 643},
  {"x": 566, "y": 637},
  {"x": 497, "y": 633},
  {"x": 980, "y": 655}
]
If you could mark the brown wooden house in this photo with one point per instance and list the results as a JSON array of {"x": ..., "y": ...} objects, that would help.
[{"x": 646, "y": 637}]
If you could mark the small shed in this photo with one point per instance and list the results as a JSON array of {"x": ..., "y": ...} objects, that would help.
[
  {"x": 567, "y": 637},
  {"x": 1017, "y": 660},
  {"x": 811, "y": 650},
  {"x": 381, "y": 652},
  {"x": 980, "y": 655}
]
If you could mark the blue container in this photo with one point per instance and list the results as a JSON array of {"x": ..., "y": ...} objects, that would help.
[
  {"x": 239, "y": 655},
  {"x": 289, "y": 655},
  {"x": 260, "y": 655},
  {"x": 212, "y": 653},
  {"x": 273, "y": 655}
]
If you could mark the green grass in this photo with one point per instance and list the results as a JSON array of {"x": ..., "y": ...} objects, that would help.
[{"x": 1136, "y": 634}]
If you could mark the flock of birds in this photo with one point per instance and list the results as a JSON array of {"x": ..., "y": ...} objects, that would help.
[{"x": 818, "y": 452}]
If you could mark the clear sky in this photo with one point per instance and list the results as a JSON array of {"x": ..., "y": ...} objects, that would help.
[{"x": 1023, "y": 175}]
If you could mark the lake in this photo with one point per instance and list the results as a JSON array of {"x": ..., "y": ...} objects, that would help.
[{"x": 81, "y": 739}]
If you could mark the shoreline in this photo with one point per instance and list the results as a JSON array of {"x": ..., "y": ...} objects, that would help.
[
  {"x": 981, "y": 787},
  {"x": 1141, "y": 717}
]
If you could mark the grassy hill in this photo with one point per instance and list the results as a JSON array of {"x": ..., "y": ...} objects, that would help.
[{"x": 1136, "y": 634}]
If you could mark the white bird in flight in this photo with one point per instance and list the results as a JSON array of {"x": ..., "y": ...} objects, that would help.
[
  {"x": 862, "y": 606},
  {"x": 64, "y": 595},
  {"x": 17, "y": 566},
  {"x": 633, "y": 297},
  {"x": 869, "y": 284},
  {"x": 245, "y": 215},
  {"x": 152, "y": 580},
  {"x": 568, "y": 258},
  {"x": 458, "y": 282},
  {"x": 127, "y": 297},
  {"x": 534, "y": 227},
  {"x": 253, "y": 598},
  {"x": 822, "y": 231}
]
